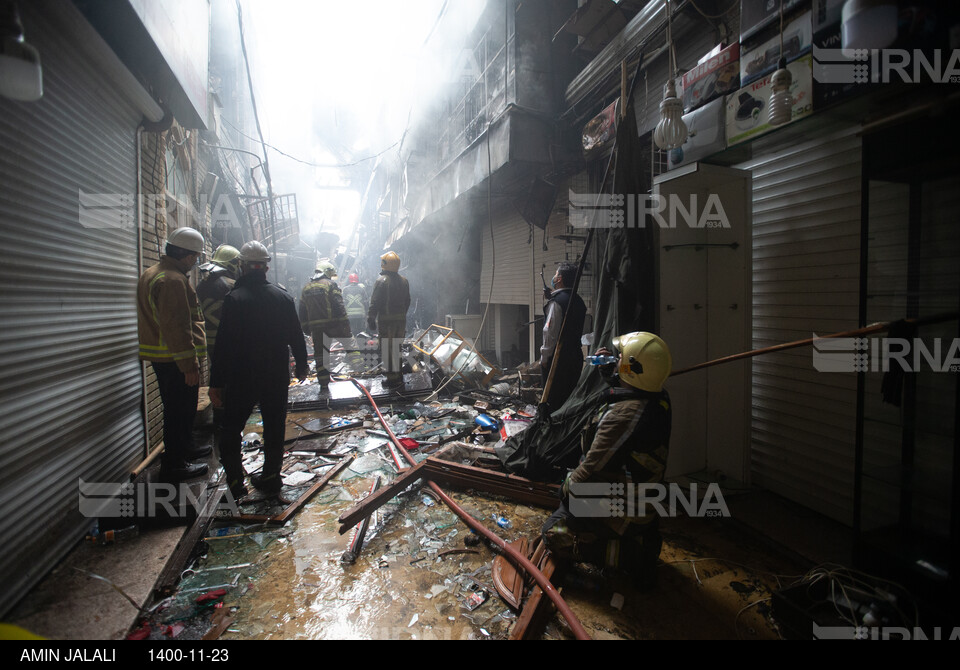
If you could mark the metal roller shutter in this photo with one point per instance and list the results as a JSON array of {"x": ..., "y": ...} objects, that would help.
[
  {"x": 69, "y": 376},
  {"x": 806, "y": 246}
]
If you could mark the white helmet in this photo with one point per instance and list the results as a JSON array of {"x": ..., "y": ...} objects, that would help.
[
  {"x": 186, "y": 238},
  {"x": 254, "y": 252}
]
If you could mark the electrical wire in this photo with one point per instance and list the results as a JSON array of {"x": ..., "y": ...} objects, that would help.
[
  {"x": 319, "y": 165},
  {"x": 736, "y": 3}
]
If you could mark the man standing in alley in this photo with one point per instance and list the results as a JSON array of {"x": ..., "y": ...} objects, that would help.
[
  {"x": 251, "y": 365},
  {"x": 322, "y": 315},
  {"x": 388, "y": 315},
  {"x": 171, "y": 333},
  {"x": 569, "y": 361}
]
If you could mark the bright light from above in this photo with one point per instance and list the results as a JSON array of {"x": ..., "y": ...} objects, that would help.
[{"x": 335, "y": 83}]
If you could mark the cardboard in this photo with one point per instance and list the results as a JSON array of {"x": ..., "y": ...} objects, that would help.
[
  {"x": 760, "y": 56},
  {"x": 715, "y": 76},
  {"x": 747, "y": 109},
  {"x": 755, "y": 15}
]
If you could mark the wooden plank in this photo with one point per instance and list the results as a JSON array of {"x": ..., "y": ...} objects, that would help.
[
  {"x": 510, "y": 486},
  {"x": 295, "y": 506},
  {"x": 533, "y": 619},
  {"x": 167, "y": 581},
  {"x": 375, "y": 501}
]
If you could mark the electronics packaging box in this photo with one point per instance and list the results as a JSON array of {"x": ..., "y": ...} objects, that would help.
[
  {"x": 707, "y": 134},
  {"x": 755, "y": 15},
  {"x": 714, "y": 77},
  {"x": 760, "y": 55},
  {"x": 748, "y": 109}
]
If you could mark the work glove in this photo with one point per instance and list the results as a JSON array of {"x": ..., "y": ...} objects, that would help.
[{"x": 565, "y": 489}]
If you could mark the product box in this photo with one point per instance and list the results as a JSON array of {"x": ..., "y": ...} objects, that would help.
[
  {"x": 755, "y": 15},
  {"x": 716, "y": 75},
  {"x": 748, "y": 109},
  {"x": 760, "y": 55},
  {"x": 707, "y": 134}
]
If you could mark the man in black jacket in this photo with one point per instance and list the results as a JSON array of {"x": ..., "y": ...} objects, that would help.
[
  {"x": 570, "y": 358},
  {"x": 251, "y": 365}
]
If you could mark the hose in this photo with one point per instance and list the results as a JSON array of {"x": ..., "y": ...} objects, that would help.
[{"x": 519, "y": 559}]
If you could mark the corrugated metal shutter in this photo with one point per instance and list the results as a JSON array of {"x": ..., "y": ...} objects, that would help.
[
  {"x": 506, "y": 258},
  {"x": 69, "y": 376},
  {"x": 806, "y": 246}
]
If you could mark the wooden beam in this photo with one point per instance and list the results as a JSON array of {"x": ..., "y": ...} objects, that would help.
[
  {"x": 295, "y": 506},
  {"x": 498, "y": 483},
  {"x": 375, "y": 501},
  {"x": 533, "y": 619},
  {"x": 167, "y": 581}
]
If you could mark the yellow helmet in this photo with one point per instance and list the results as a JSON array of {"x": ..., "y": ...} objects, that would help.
[
  {"x": 326, "y": 269},
  {"x": 390, "y": 262},
  {"x": 645, "y": 361},
  {"x": 226, "y": 257}
]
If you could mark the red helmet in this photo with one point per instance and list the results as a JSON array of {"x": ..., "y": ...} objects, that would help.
[{"x": 354, "y": 278}]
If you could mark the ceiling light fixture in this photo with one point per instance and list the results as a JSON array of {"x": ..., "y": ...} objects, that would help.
[
  {"x": 671, "y": 132},
  {"x": 20, "y": 75},
  {"x": 781, "y": 102}
]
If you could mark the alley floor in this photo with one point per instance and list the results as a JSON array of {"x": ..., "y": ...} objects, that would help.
[{"x": 421, "y": 573}]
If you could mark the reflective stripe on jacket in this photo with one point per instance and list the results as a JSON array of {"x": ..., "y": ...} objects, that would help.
[
  {"x": 321, "y": 309},
  {"x": 169, "y": 320}
]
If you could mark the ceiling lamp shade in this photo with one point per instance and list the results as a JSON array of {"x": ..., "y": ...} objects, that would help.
[
  {"x": 671, "y": 131},
  {"x": 20, "y": 75},
  {"x": 781, "y": 102}
]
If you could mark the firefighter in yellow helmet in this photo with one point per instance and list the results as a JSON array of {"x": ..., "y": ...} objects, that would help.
[
  {"x": 388, "y": 315},
  {"x": 627, "y": 442},
  {"x": 322, "y": 314}
]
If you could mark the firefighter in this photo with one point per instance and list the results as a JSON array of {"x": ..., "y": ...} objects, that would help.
[
  {"x": 251, "y": 365},
  {"x": 322, "y": 314},
  {"x": 355, "y": 301},
  {"x": 627, "y": 442},
  {"x": 170, "y": 328},
  {"x": 222, "y": 272},
  {"x": 388, "y": 315}
]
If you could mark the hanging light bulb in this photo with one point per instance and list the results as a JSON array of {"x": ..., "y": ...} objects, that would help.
[
  {"x": 671, "y": 131},
  {"x": 781, "y": 102},
  {"x": 21, "y": 77}
]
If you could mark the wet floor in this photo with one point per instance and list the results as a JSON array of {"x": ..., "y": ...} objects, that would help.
[{"x": 422, "y": 574}]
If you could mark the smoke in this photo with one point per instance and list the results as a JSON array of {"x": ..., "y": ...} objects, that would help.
[{"x": 335, "y": 84}]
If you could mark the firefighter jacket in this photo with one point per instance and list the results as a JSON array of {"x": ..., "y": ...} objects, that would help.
[
  {"x": 628, "y": 442},
  {"x": 169, "y": 320},
  {"x": 211, "y": 292},
  {"x": 355, "y": 300},
  {"x": 321, "y": 310},
  {"x": 389, "y": 304},
  {"x": 258, "y": 331}
]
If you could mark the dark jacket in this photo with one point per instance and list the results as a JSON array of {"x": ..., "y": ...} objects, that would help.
[
  {"x": 570, "y": 351},
  {"x": 389, "y": 304},
  {"x": 322, "y": 311},
  {"x": 258, "y": 329},
  {"x": 211, "y": 292}
]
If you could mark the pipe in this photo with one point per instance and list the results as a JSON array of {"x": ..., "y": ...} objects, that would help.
[
  {"x": 515, "y": 556},
  {"x": 860, "y": 332}
]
